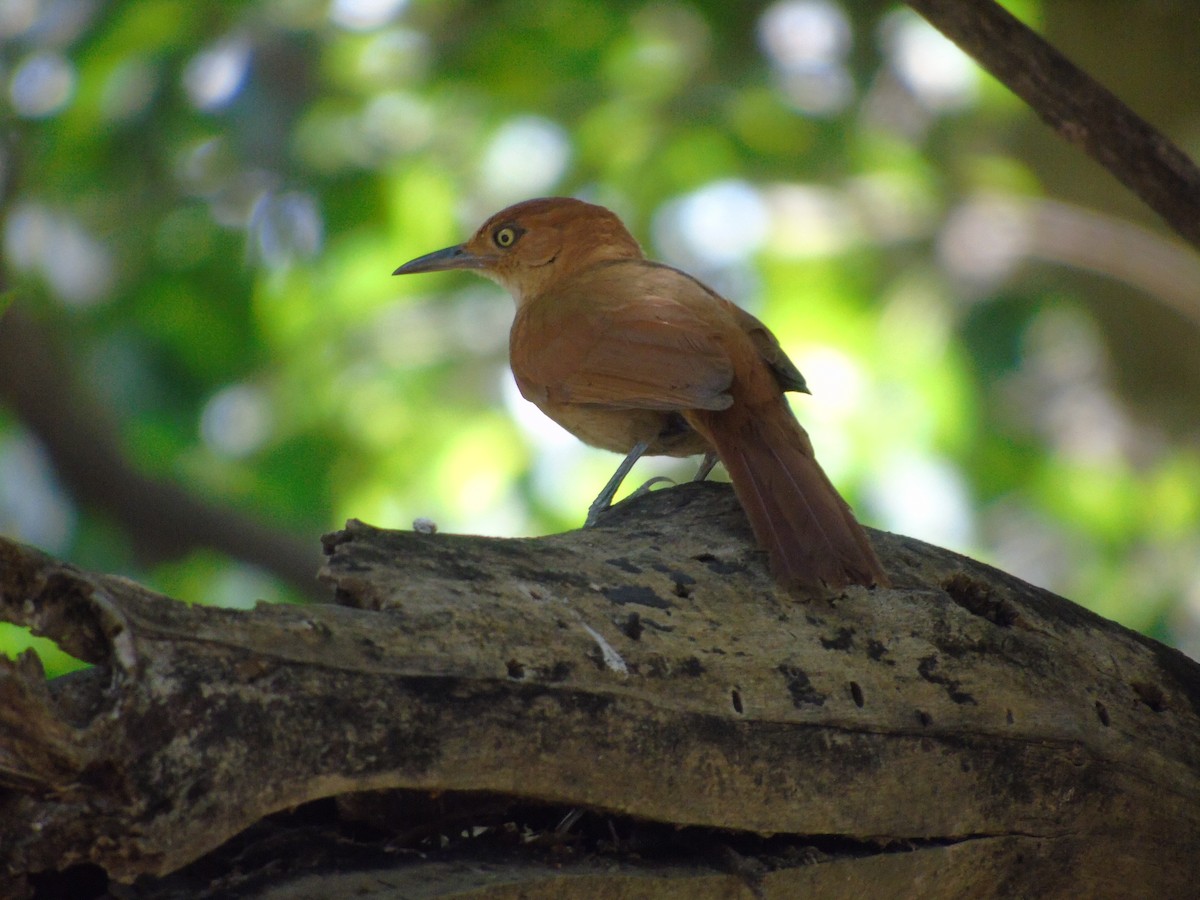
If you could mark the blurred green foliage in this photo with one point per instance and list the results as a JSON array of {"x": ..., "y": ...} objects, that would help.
[{"x": 207, "y": 200}]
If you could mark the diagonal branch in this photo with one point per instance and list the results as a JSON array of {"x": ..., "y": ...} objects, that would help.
[
  {"x": 162, "y": 519},
  {"x": 1076, "y": 106}
]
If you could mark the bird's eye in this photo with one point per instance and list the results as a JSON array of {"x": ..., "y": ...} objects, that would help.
[{"x": 505, "y": 237}]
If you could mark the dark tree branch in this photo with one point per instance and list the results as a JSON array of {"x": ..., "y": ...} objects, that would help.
[
  {"x": 640, "y": 692},
  {"x": 163, "y": 520},
  {"x": 1076, "y": 106}
]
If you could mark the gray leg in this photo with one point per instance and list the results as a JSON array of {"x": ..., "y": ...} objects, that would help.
[
  {"x": 706, "y": 465},
  {"x": 604, "y": 500}
]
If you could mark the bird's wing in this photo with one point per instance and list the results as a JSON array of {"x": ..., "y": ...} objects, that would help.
[
  {"x": 786, "y": 374},
  {"x": 615, "y": 339}
]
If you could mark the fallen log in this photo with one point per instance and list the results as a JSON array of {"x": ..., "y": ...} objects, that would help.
[{"x": 629, "y": 710}]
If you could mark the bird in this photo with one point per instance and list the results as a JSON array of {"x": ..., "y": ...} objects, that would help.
[{"x": 640, "y": 358}]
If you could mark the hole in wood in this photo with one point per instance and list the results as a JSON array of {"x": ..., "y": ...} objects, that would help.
[
  {"x": 1150, "y": 694},
  {"x": 633, "y": 627},
  {"x": 980, "y": 600}
]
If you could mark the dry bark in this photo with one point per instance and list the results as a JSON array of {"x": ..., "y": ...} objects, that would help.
[{"x": 963, "y": 734}]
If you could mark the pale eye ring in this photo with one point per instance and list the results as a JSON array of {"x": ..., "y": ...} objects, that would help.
[{"x": 505, "y": 237}]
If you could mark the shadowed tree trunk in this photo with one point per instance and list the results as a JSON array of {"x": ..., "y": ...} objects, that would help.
[{"x": 630, "y": 710}]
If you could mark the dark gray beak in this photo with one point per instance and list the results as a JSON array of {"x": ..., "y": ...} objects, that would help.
[{"x": 458, "y": 257}]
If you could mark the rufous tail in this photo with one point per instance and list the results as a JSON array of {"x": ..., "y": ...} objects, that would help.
[{"x": 810, "y": 534}]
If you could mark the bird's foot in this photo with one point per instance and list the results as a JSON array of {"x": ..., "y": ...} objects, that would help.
[
  {"x": 645, "y": 488},
  {"x": 596, "y": 510},
  {"x": 604, "y": 500}
]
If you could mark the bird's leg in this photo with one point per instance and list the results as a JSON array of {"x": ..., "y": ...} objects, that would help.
[
  {"x": 706, "y": 465},
  {"x": 604, "y": 500}
]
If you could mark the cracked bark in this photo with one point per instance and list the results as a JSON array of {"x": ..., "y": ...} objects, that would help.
[{"x": 963, "y": 732}]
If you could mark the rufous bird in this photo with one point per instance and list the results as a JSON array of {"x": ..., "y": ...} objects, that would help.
[{"x": 640, "y": 358}]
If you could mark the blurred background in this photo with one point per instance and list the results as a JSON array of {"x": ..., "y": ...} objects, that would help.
[{"x": 205, "y": 362}]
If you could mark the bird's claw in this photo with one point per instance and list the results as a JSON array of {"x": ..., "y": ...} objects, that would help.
[
  {"x": 594, "y": 513},
  {"x": 604, "y": 501},
  {"x": 645, "y": 488},
  {"x": 598, "y": 508}
]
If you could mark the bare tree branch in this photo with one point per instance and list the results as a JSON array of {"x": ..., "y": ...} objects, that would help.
[
  {"x": 1076, "y": 106},
  {"x": 163, "y": 520}
]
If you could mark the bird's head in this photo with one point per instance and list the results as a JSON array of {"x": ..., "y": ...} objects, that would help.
[{"x": 526, "y": 248}]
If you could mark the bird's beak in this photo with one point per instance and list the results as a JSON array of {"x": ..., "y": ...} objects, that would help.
[{"x": 458, "y": 257}]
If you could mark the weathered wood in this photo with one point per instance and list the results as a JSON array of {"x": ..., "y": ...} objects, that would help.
[{"x": 647, "y": 670}]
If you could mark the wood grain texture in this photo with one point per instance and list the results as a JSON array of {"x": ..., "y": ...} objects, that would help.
[{"x": 960, "y": 734}]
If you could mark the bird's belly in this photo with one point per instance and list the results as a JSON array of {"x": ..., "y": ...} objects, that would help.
[{"x": 666, "y": 433}]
